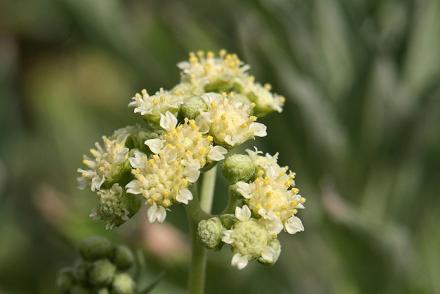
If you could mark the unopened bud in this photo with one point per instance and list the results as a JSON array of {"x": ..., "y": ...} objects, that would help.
[
  {"x": 238, "y": 167},
  {"x": 102, "y": 272},
  {"x": 192, "y": 107},
  {"x": 210, "y": 232},
  {"x": 123, "y": 257},
  {"x": 123, "y": 284},
  {"x": 95, "y": 248}
]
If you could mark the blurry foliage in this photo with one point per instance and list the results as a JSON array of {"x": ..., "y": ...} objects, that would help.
[{"x": 360, "y": 128}]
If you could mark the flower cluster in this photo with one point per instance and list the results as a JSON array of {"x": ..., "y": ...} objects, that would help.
[
  {"x": 185, "y": 131},
  {"x": 269, "y": 203},
  {"x": 206, "y": 72},
  {"x": 103, "y": 268}
]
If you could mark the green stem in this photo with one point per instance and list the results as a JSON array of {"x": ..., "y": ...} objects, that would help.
[{"x": 196, "y": 281}]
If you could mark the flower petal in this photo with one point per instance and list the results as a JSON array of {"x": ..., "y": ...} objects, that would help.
[
  {"x": 243, "y": 213},
  {"x": 227, "y": 238},
  {"x": 217, "y": 153},
  {"x": 258, "y": 129},
  {"x": 184, "y": 196},
  {"x": 133, "y": 187},
  {"x": 244, "y": 189},
  {"x": 294, "y": 225},
  {"x": 168, "y": 121},
  {"x": 239, "y": 261},
  {"x": 155, "y": 145}
]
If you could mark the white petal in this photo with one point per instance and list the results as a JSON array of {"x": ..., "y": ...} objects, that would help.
[
  {"x": 242, "y": 213},
  {"x": 138, "y": 160},
  {"x": 203, "y": 122},
  {"x": 294, "y": 225},
  {"x": 168, "y": 121},
  {"x": 184, "y": 196},
  {"x": 274, "y": 226},
  {"x": 227, "y": 238},
  {"x": 300, "y": 206},
  {"x": 244, "y": 189},
  {"x": 229, "y": 140},
  {"x": 258, "y": 129},
  {"x": 192, "y": 170},
  {"x": 239, "y": 261},
  {"x": 155, "y": 145},
  {"x": 133, "y": 187},
  {"x": 268, "y": 255},
  {"x": 151, "y": 213},
  {"x": 97, "y": 183},
  {"x": 161, "y": 214},
  {"x": 217, "y": 153}
]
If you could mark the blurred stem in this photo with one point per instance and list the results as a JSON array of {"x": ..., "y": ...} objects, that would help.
[{"x": 196, "y": 280}]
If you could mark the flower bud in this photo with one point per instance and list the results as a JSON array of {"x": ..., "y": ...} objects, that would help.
[
  {"x": 210, "y": 232},
  {"x": 123, "y": 257},
  {"x": 115, "y": 206},
  {"x": 65, "y": 280},
  {"x": 102, "y": 272},
  {"x": 238, "y": 167},
  {"x": 192, "y": 107},
  {"x": 95, "y": 248},
  {"x": 123, "y": 284}
]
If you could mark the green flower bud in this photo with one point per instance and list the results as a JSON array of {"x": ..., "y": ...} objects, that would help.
[
  {"x": 250, "y": 238},
  {"x": 192, "y": 107},
  {"x": 65, "y": 280},
  {"x": 81, "y": 272},
  {"x": 123, "y": 284},
  {"x": 115, "y": 206},
  {"x": 102, "y": 272},
  {"x": 123, "y": 257},
  {"x": 210, "y": 232},
  {"x": 95, "y": 248},
  {"x": 238, "y": 167},
  {"x": 77, "y": 289},
  {"x": 221, "y": 86}
]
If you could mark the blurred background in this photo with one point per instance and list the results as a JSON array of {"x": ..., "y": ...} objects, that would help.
[{"x": 360, "y": 128}]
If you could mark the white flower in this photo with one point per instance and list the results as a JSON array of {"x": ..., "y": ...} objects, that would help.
[
  {"x": 249, "y": 239},
  {"x": 229, "y": 121},
  {"x": 272, "y": 195},
  {"x": 153, "y": 106},
  {"x": 109, "y": 163},
  {"x": 156, "y": 213}
]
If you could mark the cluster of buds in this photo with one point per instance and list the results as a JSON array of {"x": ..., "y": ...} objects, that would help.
[
  {"x": 102, "y": 268},
  {"x": 186, "y": 131}
]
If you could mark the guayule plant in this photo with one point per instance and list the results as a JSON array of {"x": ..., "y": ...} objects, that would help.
[{"x": 186, "y": 131}]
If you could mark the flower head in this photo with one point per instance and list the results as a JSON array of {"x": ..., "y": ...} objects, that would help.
[
  {"x": 249, "y": 239},
  {"x": 108, "y": 164},
  {"x": 115, "y": 207},
  {"x": 229, "y": 121},
  {"x": 153, "y": 106},
  {"x": 273, "y": 195},
  {"x": 212, "y": 73}
]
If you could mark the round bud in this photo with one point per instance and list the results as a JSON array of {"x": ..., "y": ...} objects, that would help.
[
  {"x": 192, "y": 107},
  {"x": 123, "y": 257},
  {"x": 95, "y": 248},
  {"x": 238, "y": 167},
  {"x": 102, "y": 272},
  {"x": 123, "y": 284},
  {"x": 65, "y": 280},
  {"x": 210, "y": 232}
]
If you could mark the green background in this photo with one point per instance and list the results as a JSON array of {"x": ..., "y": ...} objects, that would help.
[{"x": 360, "y": 128}]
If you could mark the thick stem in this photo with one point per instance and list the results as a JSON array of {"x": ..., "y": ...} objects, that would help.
[{"x": 196, "y": 281}]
